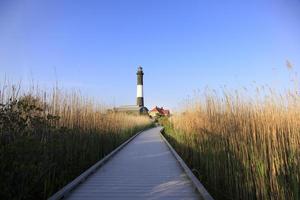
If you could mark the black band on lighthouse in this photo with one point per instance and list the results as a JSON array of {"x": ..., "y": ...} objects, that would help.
[
  {"x": 140, "y": 101},
  {"x": 140, "y": 74},
  {"x": 140, "y": 79}
]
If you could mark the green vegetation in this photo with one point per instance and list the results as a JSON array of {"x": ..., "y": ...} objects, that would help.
[
  {"x": 47, "y": 143},
  {"x": 239, "y": 148}
]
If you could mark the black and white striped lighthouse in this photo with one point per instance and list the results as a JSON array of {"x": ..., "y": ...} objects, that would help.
[{"x": 140, "y": 92}]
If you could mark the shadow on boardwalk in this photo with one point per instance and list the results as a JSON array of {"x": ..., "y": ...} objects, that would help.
[{"x": 143, "y": 169}]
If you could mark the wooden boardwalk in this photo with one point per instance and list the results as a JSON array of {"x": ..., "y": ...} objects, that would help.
[{"x": 144, "y": 169}]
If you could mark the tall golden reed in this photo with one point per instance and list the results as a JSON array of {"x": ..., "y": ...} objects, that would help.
[
  {"x": 49, "y": 138},
  {"x": 73, "y": 109},
  {"x": 242, "y": 148}
]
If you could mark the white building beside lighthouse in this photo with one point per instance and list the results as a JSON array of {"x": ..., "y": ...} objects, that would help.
[{"x": 139, "y": 108}]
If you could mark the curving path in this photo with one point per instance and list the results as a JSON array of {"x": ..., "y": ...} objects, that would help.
[{"x": 144, "y": 169}]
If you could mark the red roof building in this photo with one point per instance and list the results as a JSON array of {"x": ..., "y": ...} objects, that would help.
[{"x": 159, "y": 112}]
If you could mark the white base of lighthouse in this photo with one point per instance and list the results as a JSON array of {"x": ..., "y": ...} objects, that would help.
[
  {"x": 140, "y": 96},
  {"x": 140, "y": 91}
]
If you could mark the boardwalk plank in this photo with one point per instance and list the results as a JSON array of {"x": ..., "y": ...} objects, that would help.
[{"x": 144, "y": 169}]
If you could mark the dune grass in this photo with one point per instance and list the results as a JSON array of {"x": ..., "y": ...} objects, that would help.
[
  {"x": 241, "y": 148},
  {"x": 48, "y": 139}
]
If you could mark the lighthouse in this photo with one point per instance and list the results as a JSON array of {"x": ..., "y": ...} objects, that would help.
[
  {"x": 139, "y": 108},
  {"x": 140, "y": 91}
]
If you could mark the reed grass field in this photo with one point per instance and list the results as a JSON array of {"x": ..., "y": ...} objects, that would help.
[
  {"x": 241, "y": 148},
  {"x": 50, "y": 138}
]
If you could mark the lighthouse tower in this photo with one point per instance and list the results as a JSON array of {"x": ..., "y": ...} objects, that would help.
[
  {"x": 140, "y": 92},
  {"x": 139, "y": 108}
]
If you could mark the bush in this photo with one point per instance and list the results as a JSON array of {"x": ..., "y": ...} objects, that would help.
[{"x": 45, "y": 145}]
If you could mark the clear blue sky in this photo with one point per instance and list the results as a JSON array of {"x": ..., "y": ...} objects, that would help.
[{"x": 183, "y": 45}]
